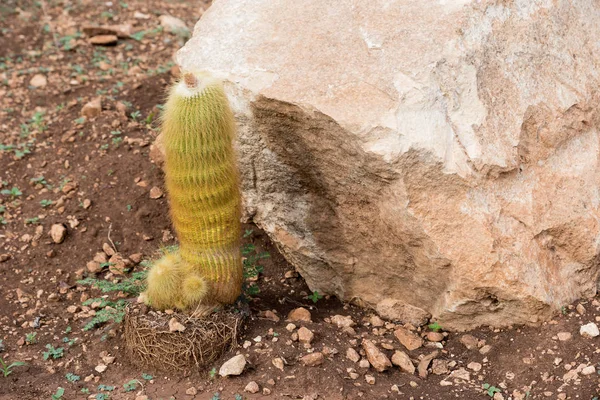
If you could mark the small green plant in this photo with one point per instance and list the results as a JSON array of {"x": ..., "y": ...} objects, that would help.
[
  {"x": 30, "y": 338},
  {"x": 490, "y": 390},
  {"x": 72, "y": 377},
  {"x": 212, "y": 373},
  {"x": 13, "y": 193},
  {"x": 32, "y": 221},
  {"x": 46, "y": 203},
  {"x": 135, "y": 115},
  {"x": 216, "y": 396},
  {"x": 80, "y": 120},
  {"x": 85, "y": 391},
  {"x": 435, "y": 327},
  {"x": 251, "y": 268},
  {"x": 53, "y": 352},
  {"x": 106, "y": 388},
  {"x": 147, "y": 377},
  {"x": 131, "y": 385},
  {"x": 238, "y": 397},
  {"x": 38, "y": 121},
  {"x": 7, "y": 368},
  {"x": 59, "y": 394},
  {"x": 315, "y": 296}
]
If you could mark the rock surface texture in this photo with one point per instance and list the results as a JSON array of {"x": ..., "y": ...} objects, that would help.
[{"x": 439, "y": 156}]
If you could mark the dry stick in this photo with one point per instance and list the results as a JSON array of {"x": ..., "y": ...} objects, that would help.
[{"x": 110, "y": 240}]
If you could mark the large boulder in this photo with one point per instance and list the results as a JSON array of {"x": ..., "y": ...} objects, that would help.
[{"x": 418, "y": 157}]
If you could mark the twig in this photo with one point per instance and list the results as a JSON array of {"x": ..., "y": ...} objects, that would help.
[{"x": 110, "y": 240}]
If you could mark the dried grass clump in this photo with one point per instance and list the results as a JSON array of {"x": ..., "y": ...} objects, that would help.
[{"x": 150, "y": 343}]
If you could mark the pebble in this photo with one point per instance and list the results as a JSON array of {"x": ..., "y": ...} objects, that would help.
[
  {"x": 58, "y": 232},
  {"x": 485, "y": 349},
  {"x": 364, "y": 363},
  {"x": 376, "y": 358},
  {"x": 290, "y": 327},
  {"x": 342, "y": 321},
  {"x": 38, "y": 81},
  {"x": 589, "y": 370},
  {"x": 103, "y": 40},
  {"x": 92, "y": 109},
  {"x": 278, "y": 363},
  {"x": 252, "y": 387},
  {"x": 305, "y": 335},
  {"x": 174, "y": 25},
  {"x": 175, "y": 326},
  {"x": 564, "y": 336},
  {"x": 589, "y": 330},
  {"x": 408, "y": 339},
  {"x": 376, "y": 321},
  {"x": 402, "y": 360},
  {"x": 312, "y": 359},
  {"x": 299, "y": 314},
  {"x": 370, "y": 379},
  {"x": 439, "y": 367},
  {"x": 461, "y": 373},
  {"x": 469, "y": 341},
  {"x": 100, "y": 368},
  {"x": 352, "y": 355},
  {"x": 191, "y": 391},
  {"x": 156, "y": 193},
  {"x": 580, "y": 309},
  {"x": 233, "y": 366},
  {"x": 435, "y": 336},
  {"x": 475, "y": 366},
  {"x": 4, "y": 257}
]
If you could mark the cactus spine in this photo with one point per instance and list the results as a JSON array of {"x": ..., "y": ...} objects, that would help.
[{"x": 203, "y": 187}]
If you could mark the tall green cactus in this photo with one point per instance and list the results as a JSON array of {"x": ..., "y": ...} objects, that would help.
[{"x": 203, "y": 187}]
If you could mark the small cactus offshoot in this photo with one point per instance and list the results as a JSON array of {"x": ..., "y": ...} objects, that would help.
[{"x": 203, "y": 187}]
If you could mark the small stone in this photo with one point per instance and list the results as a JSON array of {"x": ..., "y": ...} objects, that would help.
[
  {"x": 139, "y": 15},
  {"x": 103, "y": 40},
  {"x": 175, "y": 326},
  {"x": 564, "y": 336},
  {"x": 305, "y": 335},
  {"x": 252, "y": 387},
  {"x": 92, "y": 109},
  {"x": 402, "y": 360},
  {"x": 266, "y": 391},
  {"x": 109, "y": 251},
  {"x": 290, "y": 327},
  {"x": 21, "y": 342},
  {"x": 435, "y": 336},
  {"x": 461, "y": 373},
  {"x": 38, "y": 81},
  {"x": 439, "y": 367},
  {"x": 445, "y": 383},
  {"x": 87, "y": 203},
  {"x": 156, "y": 193},
  {"x": 278, "y": 363},
  {"x": 93, "y": 267},
  {"x": 352, "y": 355},
  {"x": 312, "y": 359},
  {"x": 58, "y": 233},
  {"x": 233, "y": 366},
  {"x": 498, "y": 396},
  {"x": 364, "y": 363},
  {"x": 589, "y": 370},
  {"x": 270, "y": 315},
  {"x": 299, "y": 314},
  {"x": 370, "y": 379},
  {"x": 191, "y": 391},
  {"x": 408, "y": 339},
  {"x": 485, "y": 349},
  {"x": 4, "y": 257},
  {"x": 589, "y": 330},
  {"x": 136, "y": 258},
  {"x": 376, "y": 358},
  {"x": 580, "y": 309},
  {"x": 469, "y": 341},
  {"x": 174, "y": 25},
  {"x": 475, "y": 366},
  {"x": 72, "y": 309},
  {"x": 342, "y": 321},
  {"x": 100, "y": 368}
]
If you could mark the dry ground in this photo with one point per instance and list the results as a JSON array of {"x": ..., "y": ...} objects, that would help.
[{"x": 93, "y": 176}]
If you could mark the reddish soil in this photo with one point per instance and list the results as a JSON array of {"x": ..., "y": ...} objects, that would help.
[{"x": 95, "y": 175}]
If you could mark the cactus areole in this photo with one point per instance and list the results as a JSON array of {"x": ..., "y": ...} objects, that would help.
[{"x": 203, "y": 187}]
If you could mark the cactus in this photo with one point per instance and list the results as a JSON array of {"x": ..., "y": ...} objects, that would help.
[{"x": 203, "y": 187}]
